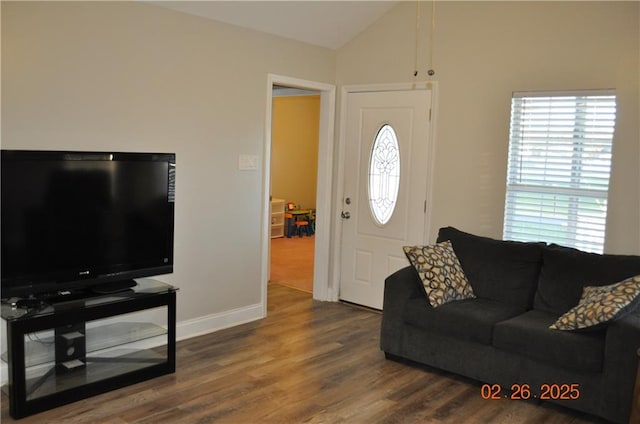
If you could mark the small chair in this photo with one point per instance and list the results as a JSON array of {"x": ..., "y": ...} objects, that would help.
[{"x": 302, "y": 226}]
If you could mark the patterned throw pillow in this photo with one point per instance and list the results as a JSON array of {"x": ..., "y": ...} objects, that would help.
[
  {"x": 440, "y": 272},
  {"x": 600, "y": 305}
]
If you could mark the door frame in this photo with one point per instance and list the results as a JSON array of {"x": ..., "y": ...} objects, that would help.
[
  {"x": 334, "y": 281},
  {"x": 322, "y": 256}
]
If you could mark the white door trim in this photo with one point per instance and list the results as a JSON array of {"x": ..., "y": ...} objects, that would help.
[
  {"x": 323, "y": 243},
  {"x": 334, "y": 282}
]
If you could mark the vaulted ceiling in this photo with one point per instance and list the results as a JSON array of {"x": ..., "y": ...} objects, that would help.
[{"x": 328, "y": 24}]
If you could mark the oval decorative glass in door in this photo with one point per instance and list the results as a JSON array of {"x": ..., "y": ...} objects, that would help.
[{"x": 384, "y": 174}]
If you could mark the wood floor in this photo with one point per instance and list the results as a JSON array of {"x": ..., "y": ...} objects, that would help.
[{"x": 307, "y": 362}]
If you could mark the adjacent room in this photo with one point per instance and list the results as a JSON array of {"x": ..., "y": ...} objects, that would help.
[
  {"x": 312, "y": 211},
  {"x": 294, "y": 166}
]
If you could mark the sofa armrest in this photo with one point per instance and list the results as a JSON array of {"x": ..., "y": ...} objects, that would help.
[
  {"x": 399, "y": 287},
  {"x": 620, "y": 365}
]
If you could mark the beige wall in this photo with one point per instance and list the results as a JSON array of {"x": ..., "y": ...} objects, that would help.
[
  {"x": 134, "y": 77},
  {"x": 294, "y": 149},
  {"x": 483, "y": 52}
]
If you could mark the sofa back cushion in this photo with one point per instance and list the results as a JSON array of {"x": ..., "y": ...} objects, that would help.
[
  {"x": 565, "y": 271},
  {"x": 505, "y": 271}
]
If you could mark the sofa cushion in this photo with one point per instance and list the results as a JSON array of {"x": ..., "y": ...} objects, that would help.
[
  {"x": 440, "y": 272},
  {"x": 529, "y": 335},
  {"x": 469, "y": 319},
  {"x": 506, "y": 271},
  {"x": 600, "y": 305},
  {"x": 566, "y": 271}
]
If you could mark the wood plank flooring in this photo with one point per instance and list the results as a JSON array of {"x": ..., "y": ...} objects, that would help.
[{"x": 307, "y": 362}]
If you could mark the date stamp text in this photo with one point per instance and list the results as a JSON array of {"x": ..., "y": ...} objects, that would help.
[{"x": 524, "y": 391}]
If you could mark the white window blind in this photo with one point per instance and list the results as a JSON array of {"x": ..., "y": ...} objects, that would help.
[{"x": 558, "y": 169}]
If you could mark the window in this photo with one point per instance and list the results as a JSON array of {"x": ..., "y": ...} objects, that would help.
[
  {"x": 559, "y": 166},
  {"x": 384, "y": 174}
]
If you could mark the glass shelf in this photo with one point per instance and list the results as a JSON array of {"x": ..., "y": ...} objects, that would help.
[
  {"x": 144, "y": 287},
  {"x": 40, "y": 349},
  {"x": 45, "y": 381}
]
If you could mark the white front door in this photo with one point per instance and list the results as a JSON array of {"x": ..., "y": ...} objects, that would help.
[{"x": 385, "y": 188}]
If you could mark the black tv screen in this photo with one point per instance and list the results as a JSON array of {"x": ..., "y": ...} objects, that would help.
[{"x": 73, "y": 220}]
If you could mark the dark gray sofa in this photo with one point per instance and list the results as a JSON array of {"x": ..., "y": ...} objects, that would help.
[{"x": 502, "y": 336}]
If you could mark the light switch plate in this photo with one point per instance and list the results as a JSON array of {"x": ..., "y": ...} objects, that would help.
[{"x": 247, "y": 162}]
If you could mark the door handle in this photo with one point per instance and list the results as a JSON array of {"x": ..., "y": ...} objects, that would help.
[{"x": 345, "y": 215}]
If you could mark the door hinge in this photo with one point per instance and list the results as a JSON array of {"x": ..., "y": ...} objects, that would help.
[
  {"x": 429, "y": 114},
  {"x": 425, "y": 206}
]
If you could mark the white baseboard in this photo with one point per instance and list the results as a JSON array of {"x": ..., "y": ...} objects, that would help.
[
  {"x": 187, "y": 329},
  {"x": 214, "y": 322}
]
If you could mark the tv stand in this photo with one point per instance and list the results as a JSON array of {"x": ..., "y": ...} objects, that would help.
[{"x": 62, "y": 352}]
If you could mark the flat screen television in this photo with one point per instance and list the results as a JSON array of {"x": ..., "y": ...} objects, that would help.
[{"x": 75, "y": 221}]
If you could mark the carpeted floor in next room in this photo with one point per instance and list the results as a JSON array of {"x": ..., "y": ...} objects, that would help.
[{"x": 292, "y": 262}]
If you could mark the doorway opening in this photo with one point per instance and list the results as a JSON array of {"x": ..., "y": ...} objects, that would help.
[
  {"x": 323, "y": 288},
  {"x": 295, "y": 122}
]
